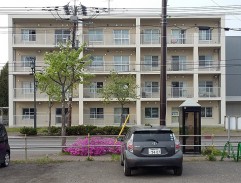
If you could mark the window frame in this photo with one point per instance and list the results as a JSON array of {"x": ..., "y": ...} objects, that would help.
[
  {"x": 97, "y": 113},
  {"x": 121, "y": 37},
  {"x": 153, "y": 114},
  {"x": 206, "y": 112},
  {"x": 28, "y": 35},
  {"x": 28, "y": 113}
]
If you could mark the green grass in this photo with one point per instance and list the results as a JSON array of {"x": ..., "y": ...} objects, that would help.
[{"x": 115, "y": 157}]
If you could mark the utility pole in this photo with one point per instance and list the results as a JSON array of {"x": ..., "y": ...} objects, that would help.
[
  {"x": 163, "y": 99},
  {"x": 74, "y": 19},
  {"x": 33, "y": 68}
]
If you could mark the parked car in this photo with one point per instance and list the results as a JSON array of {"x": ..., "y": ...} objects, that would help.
[
  {"x": 4, "y": 147},
  {"x": 148, "y": 146}
]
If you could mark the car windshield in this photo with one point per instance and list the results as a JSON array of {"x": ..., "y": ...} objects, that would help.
[{"x": 157, "y": 135}]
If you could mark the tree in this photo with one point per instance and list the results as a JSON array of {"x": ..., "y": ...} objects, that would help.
[
  {"x": 64, "y": 70},
  {"x": 4, "y": 86},
  {"x": 121, "y": 87}
]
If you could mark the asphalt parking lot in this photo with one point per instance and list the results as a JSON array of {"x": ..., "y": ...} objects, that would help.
[{"x": 112, "y": 172}]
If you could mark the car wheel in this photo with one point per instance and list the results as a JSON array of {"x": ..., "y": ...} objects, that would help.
[
  {"x": 121, "y": 160},
  {"x": 127, "y": 170},
  {"x": 177, "y": 171},
  {"x": 6, "y": 160}
]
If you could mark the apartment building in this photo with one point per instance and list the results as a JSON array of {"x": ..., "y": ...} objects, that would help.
[{"x": 127, "y": 44}]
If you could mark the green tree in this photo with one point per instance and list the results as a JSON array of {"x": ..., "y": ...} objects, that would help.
[
  {"x": 4, "y": 86},
  {"x": 64, "y": 70},
  {"x": 121, "y": 87}
]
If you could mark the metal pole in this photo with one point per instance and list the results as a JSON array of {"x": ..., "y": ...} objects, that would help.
[
  {"x": 33, "y": 68},
  {"x": 163, "y": 101}
]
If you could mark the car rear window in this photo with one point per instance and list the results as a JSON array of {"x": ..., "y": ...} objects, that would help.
[{"x": 140, "y": 136}]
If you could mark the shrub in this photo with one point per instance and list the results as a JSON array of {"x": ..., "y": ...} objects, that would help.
[
  {"x": 211, "y": 150},
  {"x": 28, "y": 130},
  {"x": 79, "y": 148},
  {"x": 53, "y": 130}
]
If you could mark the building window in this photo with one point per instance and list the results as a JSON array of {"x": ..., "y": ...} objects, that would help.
[
  {"x": 121, "y": 63},
  {"x": 62, "y": 36},
  {"x": 27, "y": 60},
  {"x": 96, "y": 113},
  {"x": 28, "y": 113},
  {"x": 58, "y": 115},
  {"x": 207, "y": 112},
  {"x": 28, "y": 87},
  {"x": 97, "y": 62},
  {"x": 151, "y": 86},
  {"x": 121, "y": 37},
  {"x": 96, "y": 36},
  {"x": 205, "y": 60},
  {"x": 178, "y": 36},
  {"x": 175, "y": 115},
  {"x": 95, "y": 86},
  {"x": 179, "y": 63},
  {"x": 28, "y": 35},
  {"x": 205, "y": 88},
  {"x": 205, "y": 33},
  {"x": 178, "y": 89},
  {"x": 117, "y": 114},
  {"x": 151, "y": 61},
  {"x": 151, "y": 112},
  {"x": 151, "y": 36}
]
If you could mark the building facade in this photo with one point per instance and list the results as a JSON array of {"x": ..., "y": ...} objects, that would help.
[{"x": 126, "y": 44}]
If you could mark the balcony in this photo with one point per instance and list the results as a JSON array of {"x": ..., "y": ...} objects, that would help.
[
  {"x": 109, "y": 39},
  {"x": 91, "y": 93},
  {"x": 180, "y": 66},
  {"x": 209, "y": 39},
  {"x": 154, "y": 66},
  {"x": 40, "y": 40},
  {"x": 111, "y": 66},
  {"x": 180, "y": 39},
  {"x": 209, "y": 92},
  {"x": 179, "y": 92},
  {"x": 209, "y": 65},
  {"x": 150, "y": 92}
]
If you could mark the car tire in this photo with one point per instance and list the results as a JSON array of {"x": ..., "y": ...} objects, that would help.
[
  {"x": 121, "y": 160},
  {"x": 127, "y": 170},
  {"x": 6, "y": 160},
  {"x": 177, "y": 171}
]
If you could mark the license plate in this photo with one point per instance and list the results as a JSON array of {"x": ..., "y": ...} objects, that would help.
[{"x": 154, "y": 151}]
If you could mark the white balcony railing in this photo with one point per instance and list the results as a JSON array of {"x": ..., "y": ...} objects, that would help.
[
  {"x": 209, "y": 65},
  {"x": 179, "y": 92},
  {"x": 180, "y": 66},
  {"x": 208, "y": 92}
]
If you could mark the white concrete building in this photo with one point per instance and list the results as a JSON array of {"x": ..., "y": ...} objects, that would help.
[{"x": 126, "y": 44}]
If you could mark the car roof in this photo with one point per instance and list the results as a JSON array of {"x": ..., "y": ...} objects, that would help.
[{"x": 145, "y": 128}]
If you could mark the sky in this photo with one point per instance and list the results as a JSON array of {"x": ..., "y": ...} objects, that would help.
[{"x": 232, "y": 21}]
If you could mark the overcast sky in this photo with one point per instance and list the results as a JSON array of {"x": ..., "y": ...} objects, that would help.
[{"x": 232, "y": 21}]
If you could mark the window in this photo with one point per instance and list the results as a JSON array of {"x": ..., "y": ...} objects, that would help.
[
  {"x": 178, "y": 63},
  {"x": 121, "y": 63},
  {"x": 178, "y": 89},
  {"x": 97, "y": 62},
  {"x": 205, "y": 86},
  {"x": 95, "y": 86},
  {"x": 175, "y": 115},
  {"x": 62, "y": 36},
  {"x": 178, "y": 36},
  {"x": 207, "y": 112},
  {"x": 151, "y": 36},
  {"x": 117, "y": 114},
  {"x": 28, "y": 87},
  {"x": 28, "y": 35},
  {"x": 205, "y": 34},
  {"x": 28, "y": 113},
  {"x": 151, "y": 112},
  {"x": 151, "y": 61},
  {"x": 96, "y": 35},
  {"x": 121, "y": 37},
  {"x": 58, "y": 115},
  {"x": 205, "y": 60},
  {"x": 151, "y": 86},
  {"x": 27, "y": 60},
  {"x": 96, "y": 113}
]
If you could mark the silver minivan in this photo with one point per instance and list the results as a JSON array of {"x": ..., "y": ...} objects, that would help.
[{"x": 4, "y": 147}]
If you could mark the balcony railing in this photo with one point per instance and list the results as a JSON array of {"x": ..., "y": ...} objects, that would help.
[
  {"x": 154, "y": 66},
  {"x": 109, "y": 39},
  {"x": 209, "y": 65},
  {"x": 91, "y": 93},
  {"x": 45, "y": 39},
  {"x": 212, "y": 39},
  {"x": 179, "y": 92},
  {"x": 180, "y": 66},
  {"x": 28, "y": 93},
  {"x": 150, "y": 92},
  {"x": 208, "y": 92},
  {"x": 111, "y": 66}
]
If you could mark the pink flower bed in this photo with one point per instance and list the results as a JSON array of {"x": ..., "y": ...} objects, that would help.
[{"x": 79, "y": 148}]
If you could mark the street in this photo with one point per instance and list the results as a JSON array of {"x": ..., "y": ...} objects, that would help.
[{"x": 103, "y": 172}]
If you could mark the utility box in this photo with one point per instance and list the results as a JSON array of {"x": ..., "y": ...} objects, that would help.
[{"x": 190, "y": 127}]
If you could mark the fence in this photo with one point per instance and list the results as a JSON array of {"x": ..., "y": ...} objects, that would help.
[{"x": 27, "y": 147}]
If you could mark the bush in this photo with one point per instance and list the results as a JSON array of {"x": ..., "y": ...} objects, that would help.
[
  {"x": 53, "y": 130},
  {"x": 28, "y": 131},
  {"x": 79, "y": 148},
  {"x": 211, "y": 150}
]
